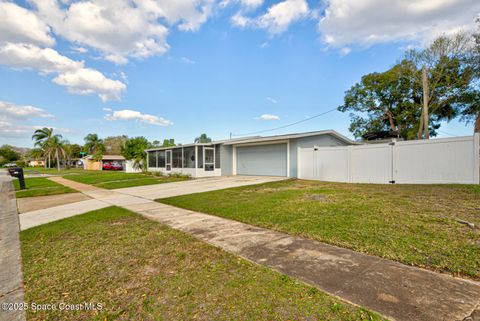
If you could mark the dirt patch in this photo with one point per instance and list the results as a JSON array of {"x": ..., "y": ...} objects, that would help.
[
  {"x": 28, "y": 204},
  {"x": 317, "y": 197}
]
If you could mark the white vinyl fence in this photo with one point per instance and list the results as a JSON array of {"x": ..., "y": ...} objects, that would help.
[{"x": 434, "y": 161}]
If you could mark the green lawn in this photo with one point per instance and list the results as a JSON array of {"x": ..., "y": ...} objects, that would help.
[
  {"x": 40, "y": 186},
  {"x": 106, "y": 179},
  {"x": 413, "y": 224},
  {"x": 112, "y": 180},
  {"x": 142, "y": 270}
]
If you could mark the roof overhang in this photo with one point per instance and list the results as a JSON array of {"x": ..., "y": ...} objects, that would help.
[{"x": 293, "y": 136}]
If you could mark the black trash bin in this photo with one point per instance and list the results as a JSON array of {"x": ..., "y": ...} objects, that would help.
[{"x": 18, "y": 172}]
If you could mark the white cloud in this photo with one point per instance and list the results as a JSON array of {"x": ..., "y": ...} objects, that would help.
[
  {"x": 80, "y": 50},
  {"x": 272, "y": 100},
  {"x": 278, "y": 17},
  {"x": 70, "y": 73},
  {"x": 28, "y": 56},
  {"x": 188, "y": 61},
  {"x": 8, "y": 129},
  {"x": 12, "y": 111},
  {"x": 86, "y": 81},
  {"x": 364, "y": 23},
  {"x": 13, "y": 119},
  {"x": 18, "y": 24},
  {"x": 107, "y": 109},
  {"x": 281, "y": 15},
  {"x": 16, "y": 130},
  {"x": 127, "y": 114},
  {"x": 269, "y": 117},
  {"x": 247, "y": 4},
  {"x": 116, "y": 59},
  {"x": 122, "y": 29},
  {"x": 345, "y": 51}
]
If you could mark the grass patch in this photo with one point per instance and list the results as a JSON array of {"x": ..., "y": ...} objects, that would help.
[
  {"x": 414, "y": 224},
  {"x": 107, "y": 179},
  {"x": 143, "y": 270},
  {"x": 40, "y": 186},
  {"x": 112, "y": 180}
]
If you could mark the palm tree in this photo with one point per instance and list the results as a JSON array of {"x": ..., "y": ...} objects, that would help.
[
  {"x": 203, "y": 139},
  {"x": 94, "y": 145},
  {"x": 55, "y": 148},
  {"x": 42, "y": 138}
]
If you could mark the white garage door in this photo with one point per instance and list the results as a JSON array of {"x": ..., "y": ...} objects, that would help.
[{"x": 268, "y": 160}]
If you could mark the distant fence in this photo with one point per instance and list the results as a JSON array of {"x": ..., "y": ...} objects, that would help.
[{"x": 434, "y": 161}]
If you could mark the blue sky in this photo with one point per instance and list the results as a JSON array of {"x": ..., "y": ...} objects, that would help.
[{"x": 207, "y": 71}]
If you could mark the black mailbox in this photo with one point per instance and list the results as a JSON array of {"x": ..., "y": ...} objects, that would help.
[{"x": 18, "y": 172}]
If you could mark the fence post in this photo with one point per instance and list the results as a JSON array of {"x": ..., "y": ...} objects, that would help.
[
  {"x": 476, "y": 155},
  {"x": 349, "y": 163},
  {"x": 391, "y": 163}
]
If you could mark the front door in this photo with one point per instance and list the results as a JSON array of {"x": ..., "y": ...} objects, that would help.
[
  {"x": 168, "y": 160},
  {"x": 209, "y": 159}
]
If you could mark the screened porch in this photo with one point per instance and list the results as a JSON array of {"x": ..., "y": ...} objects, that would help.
[{"x": 197, "y": 160}]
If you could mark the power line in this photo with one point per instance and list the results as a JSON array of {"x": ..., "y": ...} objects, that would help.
[
  {"x": 285, "y": 126},
  {"x": 447, "y": 133}
]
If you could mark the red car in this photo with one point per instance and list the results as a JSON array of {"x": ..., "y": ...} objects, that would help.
[{"x": 112, "y": 167}]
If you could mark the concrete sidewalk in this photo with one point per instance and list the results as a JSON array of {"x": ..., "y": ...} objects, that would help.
[
  {"x": 47, "y": 215},
  {"x": 395, "y": 290},
  {"x": 11, "y": 280}
]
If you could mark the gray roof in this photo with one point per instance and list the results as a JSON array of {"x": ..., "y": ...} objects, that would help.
[
  {"x": 259, "y": 139},
  {"x": 292, "y": 136}
]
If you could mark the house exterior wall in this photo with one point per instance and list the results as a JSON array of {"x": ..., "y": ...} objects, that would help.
[
  {"x": 92, "y": 165},
  {"x": 226, "y": 160}
]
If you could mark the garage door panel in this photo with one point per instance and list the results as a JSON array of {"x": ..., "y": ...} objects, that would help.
[{"x": 268, "y": 160}]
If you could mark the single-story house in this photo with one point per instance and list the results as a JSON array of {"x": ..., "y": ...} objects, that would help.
[
  {"x": 89, "y": 163},
  {"x": 36, "y": 163},
  {"x": 268, "y": 155}
]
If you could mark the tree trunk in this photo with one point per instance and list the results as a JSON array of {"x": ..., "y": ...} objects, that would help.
[
  {"x": 390, "y": 119},
  {"x": 58, "y": 163},
  {"x": 425, "y": 102},
  {"x": 420, "y": 128},
  {"x": 477, "y": 124}
]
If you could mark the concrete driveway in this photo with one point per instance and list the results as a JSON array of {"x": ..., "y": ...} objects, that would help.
[
  {"x": 195, "y": 186},
  {"x": 97, "y": 198}
]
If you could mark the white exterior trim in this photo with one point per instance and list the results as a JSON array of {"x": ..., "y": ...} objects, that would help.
[
  {"x": 288, "y": 158},
  {"x": 234, "y": 160},
  {"x": 476, "y": 146}
]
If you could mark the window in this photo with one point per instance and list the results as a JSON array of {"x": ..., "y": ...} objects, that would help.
[
  {"x": 200, "y": 156},
  {"x": 189, "y": 157},
  {"x": 209, "y": 159},
  {"x": 152, "y": 159},
  {"x": 161, "y": 158},
  {"x": 177, "y": 158},
  {"x": 217, "y": 156},
  {"x": 168, "y": 160}
]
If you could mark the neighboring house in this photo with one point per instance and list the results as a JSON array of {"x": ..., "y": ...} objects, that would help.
[
  {"x": 36, "y": 163},
  {"x": 269, "y": 156},
  {"x": 90, "y": 164}
]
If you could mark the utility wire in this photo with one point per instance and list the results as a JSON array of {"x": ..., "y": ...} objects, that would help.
[
  {"x": 285, "y": 126},
  {"x": 447, "y": 133}
]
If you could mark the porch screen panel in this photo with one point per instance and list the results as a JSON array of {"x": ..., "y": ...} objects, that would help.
[
  {"x": 161, "y": 158},
  {"x": 177, "y": 158},
  {"x": 200, "y": 156},
  {"x": 189, "y": 157},
  {"x": 217, "y": 156},
  {"x": 152, "y": 159}
]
